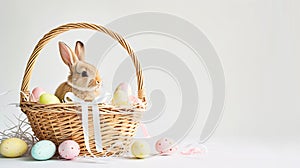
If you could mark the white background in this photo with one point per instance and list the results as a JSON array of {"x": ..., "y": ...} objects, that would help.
[{"x": 257, "y": 42}]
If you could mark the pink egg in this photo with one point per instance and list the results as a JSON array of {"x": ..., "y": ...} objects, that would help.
[
  {"x": 69, "y": 149},
  {"x": 165, "y": 146},
  {"x": 36, "y": 93}
]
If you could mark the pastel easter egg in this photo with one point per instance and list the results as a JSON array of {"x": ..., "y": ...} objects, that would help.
[
  {"x": 36, "y": 93},
  {"x": 43, "y": 150},
  {"x": 121, "y": 95},
  {"x": 140, "y": 149},
  {"x": 13, "y": 147},
  {"x": 125, "y": 87},
  {"x": 165, "y": 146},
  {"x": 134, "y": 100},
  {"x": 120, "y": 98},
  {"x": 47, "y": 98},
  {"x": 69, "y": 149}
]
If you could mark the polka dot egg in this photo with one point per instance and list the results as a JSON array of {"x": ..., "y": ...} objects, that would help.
[
  {"x": 165, "y": 146},
  {"x": 140, "y": 149},
  {"x": 13, "y": 147},
  {"x": 43, "y": 150},
  {"x": 69, "y": 149}
]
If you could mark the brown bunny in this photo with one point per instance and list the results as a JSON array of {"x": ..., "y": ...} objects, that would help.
[{"x": 84, "y": 80}]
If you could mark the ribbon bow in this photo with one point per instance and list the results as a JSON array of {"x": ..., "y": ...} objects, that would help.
[{"x": 85, "y": 122}]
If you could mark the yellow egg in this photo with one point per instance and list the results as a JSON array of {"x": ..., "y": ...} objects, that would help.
[
  {"x": 140, "y": 149},
  {"x": 13, "y": 147},
  {"x": 47, "y": 98}
]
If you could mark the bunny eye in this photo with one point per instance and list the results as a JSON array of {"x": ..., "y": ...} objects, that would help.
[{"x": 84, "y": 74}]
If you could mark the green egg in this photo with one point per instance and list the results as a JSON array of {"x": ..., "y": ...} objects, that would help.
[
  {"x": 47, "y": 98},
  {"x": 43, "y": 150}
]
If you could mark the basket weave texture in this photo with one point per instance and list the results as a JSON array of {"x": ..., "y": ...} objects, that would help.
[{"x": 59, "y": 122}]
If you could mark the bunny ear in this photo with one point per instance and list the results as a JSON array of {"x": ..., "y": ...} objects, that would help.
[
  {"x": 79, "y": 50},
  {"x": 66, "y": 54}
]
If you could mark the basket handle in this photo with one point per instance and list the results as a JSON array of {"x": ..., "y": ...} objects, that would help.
[{"x": 61, "y": 29}]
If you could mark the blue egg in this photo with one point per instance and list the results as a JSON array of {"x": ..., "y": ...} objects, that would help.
[{"x": 43, "y": 150}]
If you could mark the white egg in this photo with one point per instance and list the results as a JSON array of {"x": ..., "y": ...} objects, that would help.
[{"x": 122, "y": 95}]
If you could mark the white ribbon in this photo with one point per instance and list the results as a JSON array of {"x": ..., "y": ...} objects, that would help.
[{"x": 85, "y": 121}]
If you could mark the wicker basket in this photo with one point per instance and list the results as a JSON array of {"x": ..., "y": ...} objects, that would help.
[{"x": 59, "y": 122}]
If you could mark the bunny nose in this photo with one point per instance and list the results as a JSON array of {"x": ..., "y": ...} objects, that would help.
[{"x": 97, "y": 78}]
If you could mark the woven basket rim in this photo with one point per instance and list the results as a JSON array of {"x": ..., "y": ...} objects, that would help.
[{"x": 103, "y": 108}]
